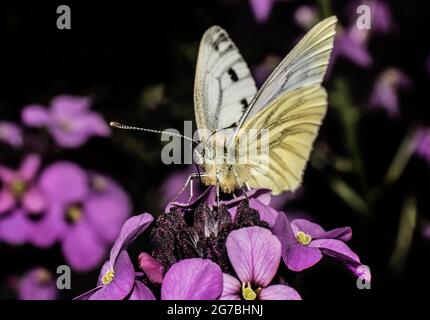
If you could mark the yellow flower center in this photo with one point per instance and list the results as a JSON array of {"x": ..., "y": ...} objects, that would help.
[
  {"x": 99, "y": 183},
  {"x": 303, "y": 238},
  {"x": 248, "y": 293},
  {"x": 74, "y": 213},
  {"x": 43, "y": 276},
  {"x": 18, "y": 187},
  {"x": 108, "y": 277}
]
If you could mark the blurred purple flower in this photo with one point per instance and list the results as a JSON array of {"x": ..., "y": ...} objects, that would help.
[
  {"x": 262, "y": 71},
  {"x": 69, "y": 120},
  {"x": 304, "y": 243},
  {"x": 192, "y": 279},
  {"x": 422, "y": 144},
  {"x": 21, "y": 201},
  {"x": 11, "y": 134},
  {"x": 86, "y": 212},
  {"x": 352, "y": 45},
  {"x": 254, "y": 253},
  {"x": 37, "y": 284},
  {"x": 385, "y": 91},
  {"x": 117, "y": 279},
  {"x": 261, "y": 9},
  {"x": 306, "y": 16}
]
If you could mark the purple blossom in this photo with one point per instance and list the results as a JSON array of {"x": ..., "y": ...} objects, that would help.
[
  {"x": 11, "y": 134},
  {"x": 254, "y": 253},
  {"x": 306, "y": 16},
  {"x": 37, "y": 284},
  {"x": 352, "y": 45},
  {"x": 117, "y": 279},
  {"x": 422, "y": 144},
  {"x": 85, "y": 214},
  {"x": 69, "y": 120},
  {"x": 192, "y": 279},
  {"x": 261, "y": 9},
  {"x": 21, "y": 201},
  {"x": 385, "y": 91},
  {"x": 304, "y": 243}
]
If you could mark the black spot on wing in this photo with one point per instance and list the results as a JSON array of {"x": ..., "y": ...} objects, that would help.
[
  {"x": 233, "y": 75},
  {"x": 244, "y": 103}
]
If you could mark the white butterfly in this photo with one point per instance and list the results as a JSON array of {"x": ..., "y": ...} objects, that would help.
[{"x": 290, "y": 105}]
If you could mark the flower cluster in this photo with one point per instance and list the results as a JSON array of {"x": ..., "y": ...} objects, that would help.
[
  {"x": 46, "y": 202},
  {"x": 242, "y": 249}
]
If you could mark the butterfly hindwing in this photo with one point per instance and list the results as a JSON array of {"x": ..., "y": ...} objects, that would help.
[
  {"x": 293, "y": 122},
  {"x": 223, "y": 84}
]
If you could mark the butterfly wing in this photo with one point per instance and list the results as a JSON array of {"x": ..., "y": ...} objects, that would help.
[
  {"x": 304, "y": 66},
  {"x": 292, "y": 121},
  {"x": 223, "y": 84}
]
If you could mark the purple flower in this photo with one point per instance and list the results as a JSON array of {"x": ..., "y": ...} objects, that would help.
[
  {"x": 352, "y": 45},
  {"x": 117, "y": 279},
  {"x": 262, "y": 71},
  {"x": 304, "y": 243},
  {"x": 192, "y": 279},
  {"x": 86, "y": 212},
  {"x": 422, "y": 144},
  {"x": 306, "y": 16},
  {"x": 385, "y": 91},
  {"x": 254, "y": 253},
  {"x": 261, "y": 9},
  {"x": 21, "y": 201},
  {"x": 68, "y": 119},
  {"x": 37, "y": 284},
  {"x": 11, "y": 134}
]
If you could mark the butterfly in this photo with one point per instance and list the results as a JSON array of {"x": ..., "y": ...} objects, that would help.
[
  {"x": 289, "y": 106},
  {"x": 283, "y": 117}
]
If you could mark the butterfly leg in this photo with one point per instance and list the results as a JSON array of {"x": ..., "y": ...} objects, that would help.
[
  {"x": 217, "y": 188},
  {"x": 240, "y": 184},
  {"x": 189, "y": 181}
]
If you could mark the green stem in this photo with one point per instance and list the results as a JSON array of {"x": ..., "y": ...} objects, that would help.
[
  {"x": 350, "y": 196},
  {"x": 405, "y": 234},
  {"x": 401, "y": 158}
]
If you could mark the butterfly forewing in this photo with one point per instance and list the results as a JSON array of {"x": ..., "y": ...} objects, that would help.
[
  {"x": 304, "y": 66},
  {"x": 223, "y": 84}
]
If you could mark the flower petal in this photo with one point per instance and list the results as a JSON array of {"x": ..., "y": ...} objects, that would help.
[
  {"x": 65, "y": 182},
  {"x": 108, "y": 211},
  {"x": 121, "y": 284},
  {"x": 151, "y": 267},
  {"x": 298, "y": 257},
  {"x": 267, "y": 213},
  {"x": 231, "y": 288},
  {"x": 312, "y": 229},
  {"x": 141, "y": 292},
  {"x": 33, "y": 200},
  {"x": 254, "y": 253},
  {"x": 15, "y": 228},
  {"x": 192, "y": 279},
  {"x": 82, "y": 249},
  {"x": 343, "y": 234},
  {"x": 35, "y": 116},
  {"x": 7, "y": 201},
  {"x": 66, "y": 105},
  {"x": 131, "y": 229},
  {"x": 278, "y": 292},
  {"x": 29, "y": 167}
]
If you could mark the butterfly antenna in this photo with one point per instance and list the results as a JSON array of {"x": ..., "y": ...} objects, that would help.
[{"x": 125, "y": 127}]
